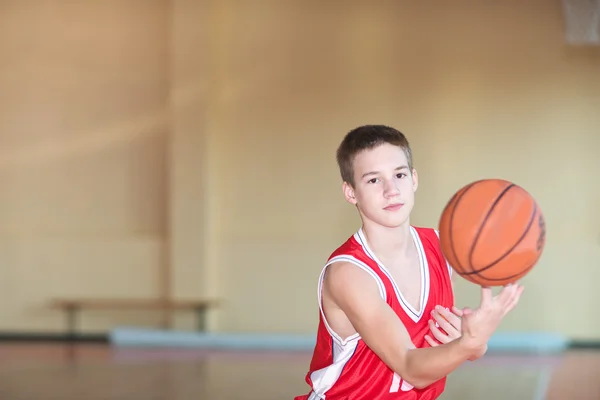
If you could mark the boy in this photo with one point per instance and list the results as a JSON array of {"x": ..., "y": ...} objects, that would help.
[{"x": 385, "y": 331}]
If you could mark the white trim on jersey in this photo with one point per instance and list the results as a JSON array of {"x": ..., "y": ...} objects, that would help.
[
  {"x": 437, "y": 232},
  {"x": 408, "y": 308},
  {"x": 361, "y": 265},
  {"x": 343, "y": 349},
  {"x": 324, "y": 378}
]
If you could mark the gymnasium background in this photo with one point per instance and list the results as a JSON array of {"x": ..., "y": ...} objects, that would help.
[{"x": 140, "y": 136}]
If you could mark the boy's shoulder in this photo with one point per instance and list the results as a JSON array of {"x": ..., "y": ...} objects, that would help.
[
  {"x": 351, "y": 246},
  {"x": 427, "y": 232}
]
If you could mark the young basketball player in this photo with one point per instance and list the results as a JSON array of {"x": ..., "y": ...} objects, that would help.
[{"x": 388, "y": 327}]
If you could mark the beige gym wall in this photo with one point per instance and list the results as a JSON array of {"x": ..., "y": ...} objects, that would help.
[
  {"x": 83, "y": 130},
  {"x": 255, "y": 100}
]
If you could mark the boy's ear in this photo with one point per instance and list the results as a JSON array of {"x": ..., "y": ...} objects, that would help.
[
  {"x": 349, "y": 193},
  {"x": 415, "y": 179}
]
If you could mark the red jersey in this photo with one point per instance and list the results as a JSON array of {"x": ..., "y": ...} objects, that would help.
[{"x": 348, "y": 369}]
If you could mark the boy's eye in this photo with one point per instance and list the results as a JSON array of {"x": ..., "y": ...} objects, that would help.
[
  {"x": 401, "y": 175},
  {"x": 374, "y": 180}
]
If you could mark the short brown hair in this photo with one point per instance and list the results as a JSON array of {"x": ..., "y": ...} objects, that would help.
[{"x": 367, "y": 137}]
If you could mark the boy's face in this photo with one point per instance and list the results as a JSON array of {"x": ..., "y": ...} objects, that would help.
[{"x": 384, "y": 187}]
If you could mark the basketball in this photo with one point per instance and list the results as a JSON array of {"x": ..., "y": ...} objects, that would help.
[{"x": 492, "y": 232}]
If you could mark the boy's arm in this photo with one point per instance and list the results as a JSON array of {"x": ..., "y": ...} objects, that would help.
[{"x": 356, "y": 293}]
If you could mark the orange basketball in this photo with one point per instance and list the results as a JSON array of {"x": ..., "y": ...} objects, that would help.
[{"x": 492, "y": 232}]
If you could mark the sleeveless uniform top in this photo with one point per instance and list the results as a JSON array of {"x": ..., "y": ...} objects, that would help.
[{"x": 348, "y": 369}]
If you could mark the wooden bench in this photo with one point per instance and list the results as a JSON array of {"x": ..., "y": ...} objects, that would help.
[{"x": 72, "y": 308}]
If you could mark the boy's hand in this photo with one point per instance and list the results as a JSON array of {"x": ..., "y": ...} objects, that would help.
[
  {"x": 445, "y": 325},
  {"x": 480, "y": 324}
]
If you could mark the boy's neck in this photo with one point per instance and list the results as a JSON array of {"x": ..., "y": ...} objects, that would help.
[{"x": 388, "y": 242}]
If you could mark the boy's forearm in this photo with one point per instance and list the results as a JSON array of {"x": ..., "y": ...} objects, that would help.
[{"x": 427, "y": 365}]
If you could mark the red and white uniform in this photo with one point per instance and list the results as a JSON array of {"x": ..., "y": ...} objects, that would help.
[{"x": 349, "y": 369}]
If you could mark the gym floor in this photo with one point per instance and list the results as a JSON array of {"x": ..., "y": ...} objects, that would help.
[{"x": 94, "y": 372}]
